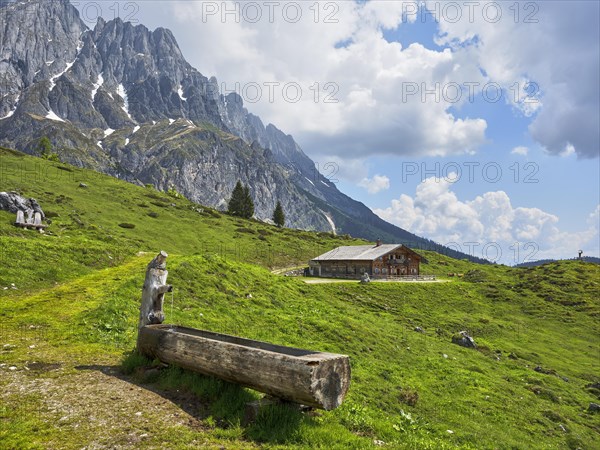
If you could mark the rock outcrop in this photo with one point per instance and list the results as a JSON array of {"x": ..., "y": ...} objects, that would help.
[{"x": 13, "y": 202}]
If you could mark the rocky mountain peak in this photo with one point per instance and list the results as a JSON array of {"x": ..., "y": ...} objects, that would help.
[{"x": 122, "y": 99}]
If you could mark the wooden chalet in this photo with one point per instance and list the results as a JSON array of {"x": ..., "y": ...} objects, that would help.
[{"x": 379, "y": 261}]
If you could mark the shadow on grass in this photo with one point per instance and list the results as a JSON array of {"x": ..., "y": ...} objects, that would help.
[{"x": 208, "y": 399}]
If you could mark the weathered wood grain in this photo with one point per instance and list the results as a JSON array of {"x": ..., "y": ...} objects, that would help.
[
  {"x": 316, "y": 379},
  {"x": 153, "y": 292}
]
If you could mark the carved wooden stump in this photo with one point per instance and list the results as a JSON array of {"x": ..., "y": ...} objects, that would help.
[{"x": 153, "y": 293}]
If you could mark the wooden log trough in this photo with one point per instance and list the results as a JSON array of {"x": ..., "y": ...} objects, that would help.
[{"x": 316, "y": 379}]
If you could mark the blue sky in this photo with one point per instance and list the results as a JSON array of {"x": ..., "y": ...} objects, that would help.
[
  {"x": 367, "y": 55},
  {"x": 566, "y": 186}
]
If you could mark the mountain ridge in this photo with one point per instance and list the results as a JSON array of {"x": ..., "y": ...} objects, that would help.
[{"x": 122, "y": 99}]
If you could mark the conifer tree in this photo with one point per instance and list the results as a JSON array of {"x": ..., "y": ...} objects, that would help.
[
  {"x": 248, "y": 204},
  {"x": 278, "y": 215},
  {"x": 235, "y": 205},
  {"x": 241, "y": 203}
]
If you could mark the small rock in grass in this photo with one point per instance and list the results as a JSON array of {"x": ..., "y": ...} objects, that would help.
[
  {"x": 138, "y": 413},
  {"x": 83, "y": 185},
  {"x": 450, "y": 431},
  {"x": 445, "y": 356},
  {"x": 594, "y": 407},
  {"x": 12, "y": 368},
  {"x": 378, "y": 442},
  {"x": 464, "y": 340},
  {"x": 419, "y": 330}
]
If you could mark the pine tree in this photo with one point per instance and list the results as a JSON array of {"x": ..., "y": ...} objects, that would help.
[
  {"x": 241, "y": 203},
  {"x": 278, "y": 215},
  {"x": 248, "y": 204},
  {"x": 235, "y": 206}
]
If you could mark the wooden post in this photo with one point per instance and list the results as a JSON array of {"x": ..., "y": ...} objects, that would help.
[{"x": 153, "y": 293}]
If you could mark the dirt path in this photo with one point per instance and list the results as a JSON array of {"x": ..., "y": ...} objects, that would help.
[
  {"x": 95, "y": 407},
  {"x": 334, "y": 280}
]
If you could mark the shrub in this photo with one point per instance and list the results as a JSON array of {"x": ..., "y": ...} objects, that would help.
[{"x": 173, "y": 192}]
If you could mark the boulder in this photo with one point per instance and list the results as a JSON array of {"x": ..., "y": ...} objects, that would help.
[
  {"x": 464, "y": 340},
  {"x": 13, "y": 202}
]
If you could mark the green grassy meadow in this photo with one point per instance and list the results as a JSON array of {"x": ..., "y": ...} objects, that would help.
[{"x": 69, "y": 377}]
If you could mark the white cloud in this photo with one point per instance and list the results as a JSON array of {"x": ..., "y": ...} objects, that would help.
[
  {"x": 552, "y": 44},
  {"x": 376, "y": 184},
  {"x": 489, "y": 222},
  {"x": 568, "y": 151},
  {"x": 520, "y": 150}
]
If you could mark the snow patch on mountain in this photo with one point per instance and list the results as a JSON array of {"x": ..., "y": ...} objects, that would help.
[
  {"x": 97, "y": 86},
  {"x": 121, "y": 92},
  {"x": 52, "y": 116}
]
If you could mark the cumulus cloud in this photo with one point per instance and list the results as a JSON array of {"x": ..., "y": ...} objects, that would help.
[
  {"x": 546, "y": 56},
  {"x": 488, "y": 224},
  {"x": 376, "y": 184},
  {"x": 520, "y": 150}
]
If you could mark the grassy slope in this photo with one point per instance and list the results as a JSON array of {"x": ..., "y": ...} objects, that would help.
[{"x": 78, "y": 296}]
